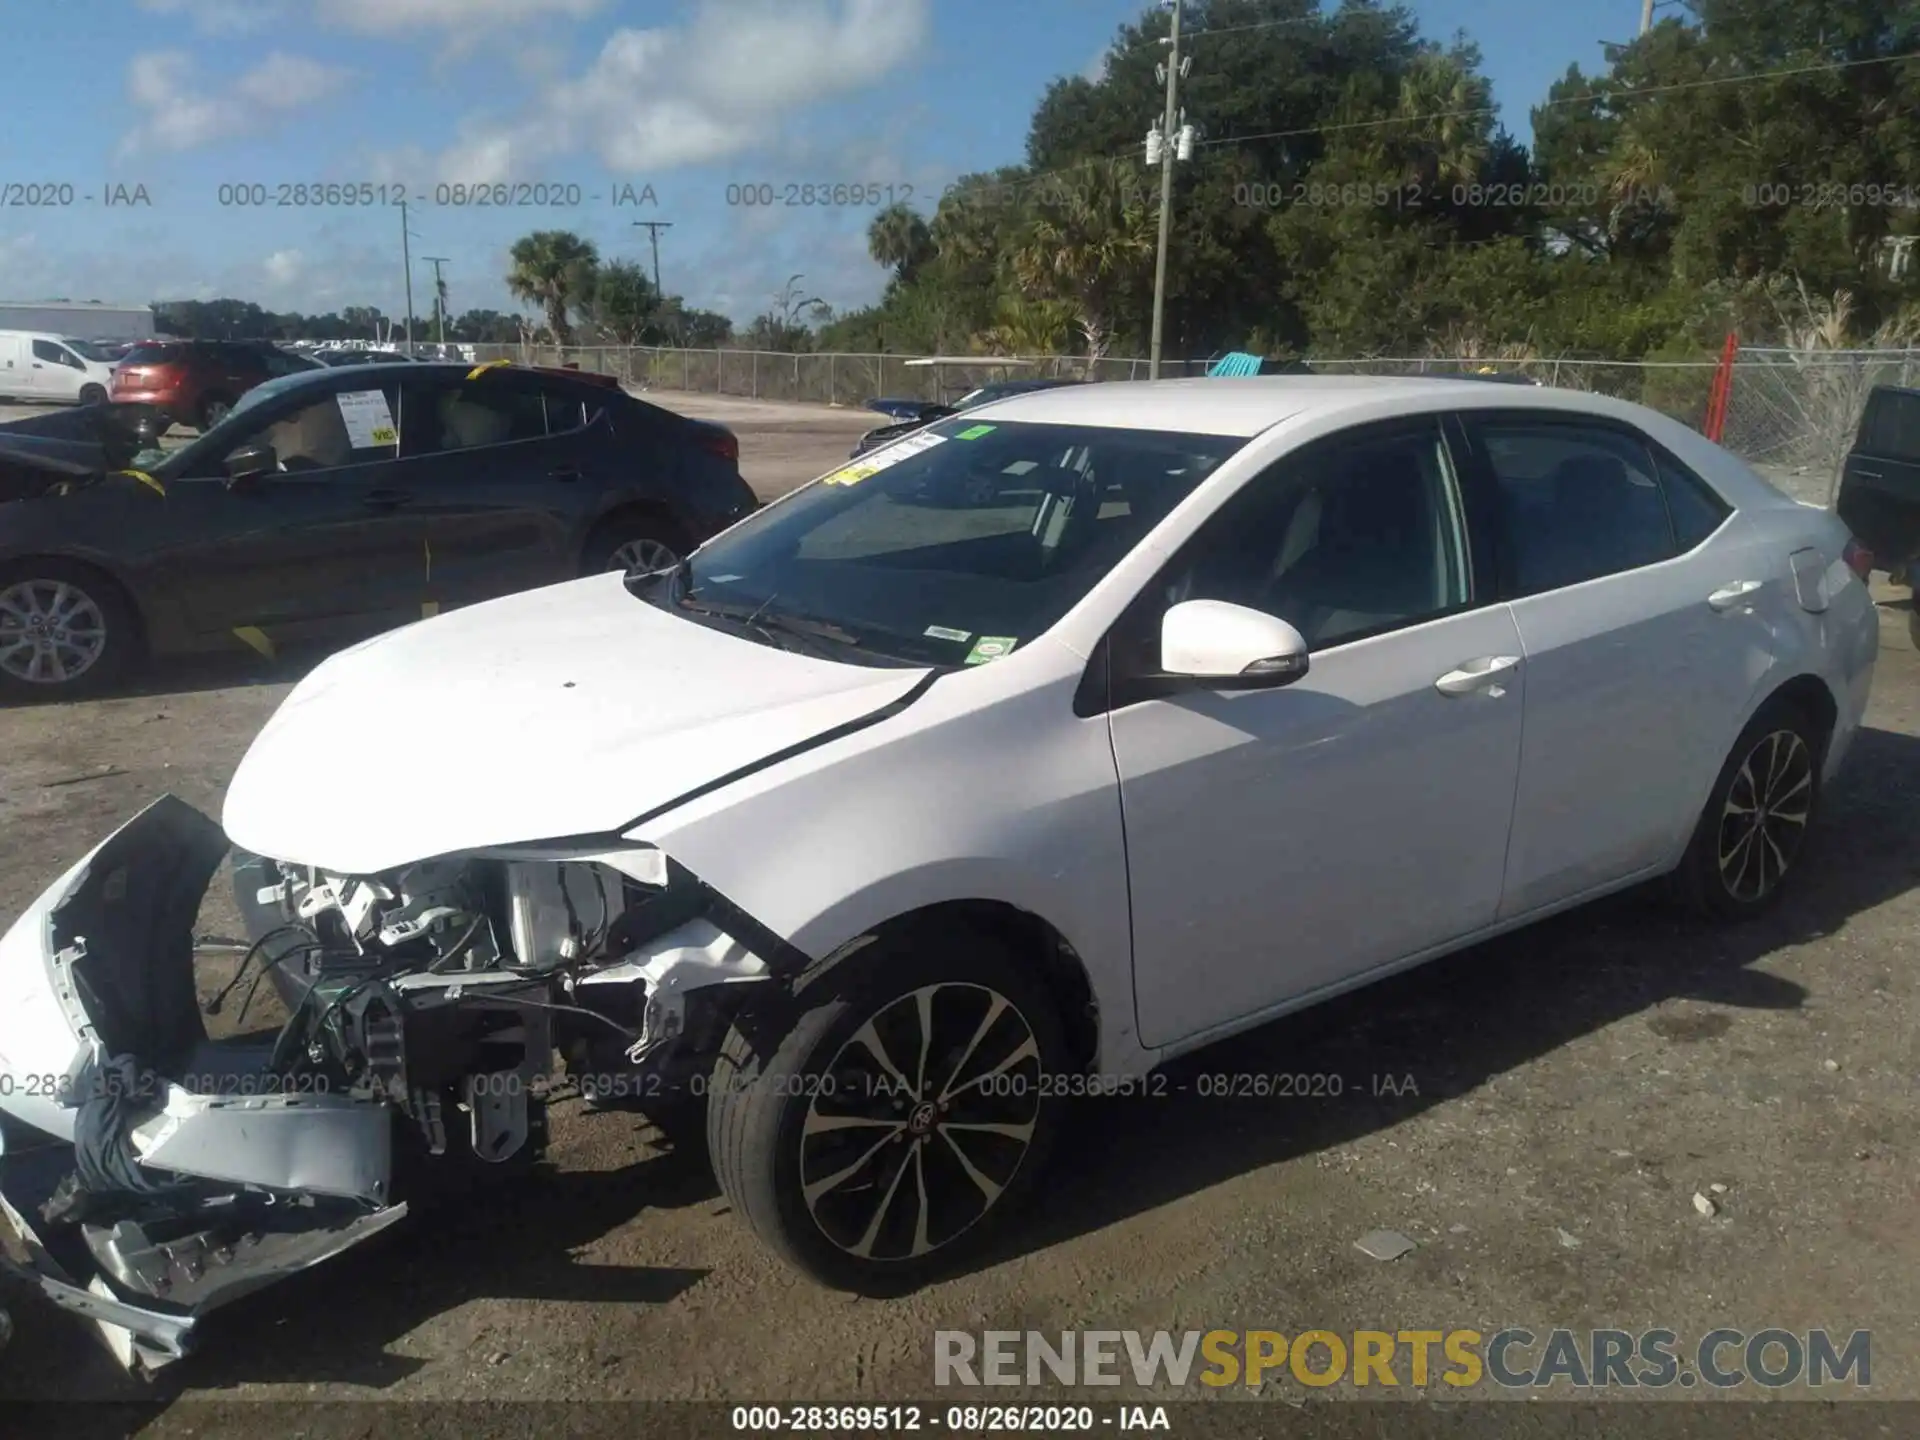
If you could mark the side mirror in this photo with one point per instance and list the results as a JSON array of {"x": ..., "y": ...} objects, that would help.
[
  {"x": 248, "y": 463},
  {"x": 1230, "y": 647}
]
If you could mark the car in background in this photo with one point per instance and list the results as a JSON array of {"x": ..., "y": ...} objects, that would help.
[
  {"x": 362, "y": 357},
  {"x": 911, "y": 415},
  {"x": 76, "y": 442},
  {"x": 1880, "y": 480},
  {"x": 198, "y": 381},
  {"x": 51, "y": 369},
  {"x": 340, "y": 502}
]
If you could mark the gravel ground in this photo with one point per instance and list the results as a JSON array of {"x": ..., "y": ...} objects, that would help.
[{"x": 1572, "y": 1086}]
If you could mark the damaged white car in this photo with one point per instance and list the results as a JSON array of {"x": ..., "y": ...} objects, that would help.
[{"x": 991, "y": 770}]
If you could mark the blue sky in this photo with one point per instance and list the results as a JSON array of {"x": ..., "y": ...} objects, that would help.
[{"x": 687, "y": 97}]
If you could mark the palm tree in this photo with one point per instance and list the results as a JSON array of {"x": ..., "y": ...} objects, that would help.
[
  {"x": 899, "y": 240},
  {"x": 1445, "y": 105},
  {"x": 1088, "y": 244},
  {"x": 1028, "y": 327},
  {"x": 553, "y": 269}
]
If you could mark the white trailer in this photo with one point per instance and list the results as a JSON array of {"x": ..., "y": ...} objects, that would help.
[{"x": 89, "y": 320}]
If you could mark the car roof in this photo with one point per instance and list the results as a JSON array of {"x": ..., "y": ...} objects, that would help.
[{"x": 1248, "y": 405}]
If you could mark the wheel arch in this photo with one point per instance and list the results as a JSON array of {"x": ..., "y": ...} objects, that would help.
[
  {"x": 136, "y": 607},
  {"x": 627, "y": 512},
  {"x": 1030, "y": 938},
  {"x": 1813, "y": 697}
]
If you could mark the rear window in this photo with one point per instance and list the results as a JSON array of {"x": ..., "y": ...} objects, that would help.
[
  {"x": 151, "y": 354},
  {"x": 1891, "y": 427}
]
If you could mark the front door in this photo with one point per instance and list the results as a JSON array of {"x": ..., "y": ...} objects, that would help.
[
  {"x": 1283, "y": 841},
  {"x": 325, "y": 543}
]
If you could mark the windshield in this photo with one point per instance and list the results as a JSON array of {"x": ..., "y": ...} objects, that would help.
[{"x": 952, "y": 546}]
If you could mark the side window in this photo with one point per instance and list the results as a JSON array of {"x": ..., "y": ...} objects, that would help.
[
  {"x": 1694, "y": 507},
  {"x": 1576, "y": 502},
  {"x": 1891, "y": 429},
  {"x": 443, "y": 417},
  {"x": 565, "y": 411},
  {"x": 51, "y": 353},
  {"x": 347, "y": 428},
  {"x": 1352, "y": 537}
]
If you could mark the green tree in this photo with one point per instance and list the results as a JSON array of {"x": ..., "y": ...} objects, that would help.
[
  {"x": 1088, "y": 245},
  {"x": 899, "y": 239},
  {"x": 623, "y": 303},
  {"x": 554, "y": 269}
]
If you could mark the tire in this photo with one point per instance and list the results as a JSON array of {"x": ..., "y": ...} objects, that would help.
[
  {"x": 618, "y": 543},
  {"x": 50, "y": 591},
  {"x": 808, "y": 1061},
  {"x": 213, "y": 409},
  {"x": 1733, "y": 870},
  {"x": 93, "y": 394}
]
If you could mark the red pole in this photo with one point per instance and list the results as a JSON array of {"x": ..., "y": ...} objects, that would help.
[{"x": 1722, "y": 390}]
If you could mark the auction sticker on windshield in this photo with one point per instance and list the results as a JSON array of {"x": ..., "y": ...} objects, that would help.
[
  {"x": 892, "y": 455},
  {"x": 990, "y": 647},
  {"x": 368, "y": 417},
  {"x": 974, "y": 432}
]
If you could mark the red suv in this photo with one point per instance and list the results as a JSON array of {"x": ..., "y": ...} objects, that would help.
[{"x": 197, "y": 381}]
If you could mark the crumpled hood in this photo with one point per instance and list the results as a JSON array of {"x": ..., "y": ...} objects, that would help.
[{"x": 565, "y": 711}]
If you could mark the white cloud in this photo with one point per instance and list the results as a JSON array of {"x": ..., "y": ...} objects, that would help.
[
  {"x": 660, "y": 98},
  {"x": 137, "y": 267},
  {"x": 184, "y": 113},
  {"x": 391, "y": 17},
  {"x": 220, "y": 17},
  {"x": 283, "y": 267}
]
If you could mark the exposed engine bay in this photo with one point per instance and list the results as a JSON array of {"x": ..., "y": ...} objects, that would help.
[{"x": 157, "y": 1173}]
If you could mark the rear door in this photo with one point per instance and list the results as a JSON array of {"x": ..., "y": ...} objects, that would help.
[
  {"x": 327, "y": 544},
  {"x": 1880, "y": 486},
  {"x": 1640, "y": 624},
  {"x": 500, "y": 469}
]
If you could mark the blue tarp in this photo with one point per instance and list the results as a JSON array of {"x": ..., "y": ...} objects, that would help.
[{"x": 1238, "y": 363}]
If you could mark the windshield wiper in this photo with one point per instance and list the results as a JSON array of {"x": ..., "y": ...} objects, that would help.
[
  {"x": 638, "y": 580},
  {"x": 760, "y": 617}
]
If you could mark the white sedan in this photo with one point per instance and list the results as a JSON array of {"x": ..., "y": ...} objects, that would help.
[{"x": 1003, "y": 764}]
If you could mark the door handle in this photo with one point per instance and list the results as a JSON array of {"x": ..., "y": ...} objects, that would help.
[
  {"x": 1476, "y": 675},
  {"x": 1728, "y": 596},
  {"x": 387, "y": 499},
  {"x": 1869, "y": 474}
]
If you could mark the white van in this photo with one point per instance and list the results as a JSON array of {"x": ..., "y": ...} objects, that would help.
[{"x": 38, "y": 366}]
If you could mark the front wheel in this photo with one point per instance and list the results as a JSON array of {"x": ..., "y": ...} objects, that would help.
[
  {"x": 93, "y": 394},
  {"x": 1755, "y": 823},
  {"x": 882, "y": 1125},
  {"x": 213, "y": 410},
  {"x": 64, "y": 630}
]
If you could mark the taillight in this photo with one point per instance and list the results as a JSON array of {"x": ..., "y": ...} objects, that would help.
[
  {"x": 1859, "y": 559},
  {"x": 722, "y": 443}
]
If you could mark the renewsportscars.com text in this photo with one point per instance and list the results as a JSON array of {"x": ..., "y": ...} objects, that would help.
[{"x": 1513, "y": 1358}]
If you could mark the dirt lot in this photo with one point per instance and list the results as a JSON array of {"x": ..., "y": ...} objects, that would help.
[{"x": 1570, "y": 1089}]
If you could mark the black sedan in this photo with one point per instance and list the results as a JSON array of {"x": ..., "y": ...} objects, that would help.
[
  {"x": 339, "y": 502},
  {"x": 910, "y": 415}
]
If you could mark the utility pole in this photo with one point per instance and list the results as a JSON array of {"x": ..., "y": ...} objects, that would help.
[
  {"x": 1165, "y": 160},
  {"x": 439, "y": 310},
  {"x": 653, "y": 228},
  {"x": 406, "y": 260},
  {"x": 1646, "y": 16}
]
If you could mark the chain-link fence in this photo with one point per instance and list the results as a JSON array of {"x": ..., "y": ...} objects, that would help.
[
  {"x": 820, "y": 379},
  {"x": 1792, "y": 413}
]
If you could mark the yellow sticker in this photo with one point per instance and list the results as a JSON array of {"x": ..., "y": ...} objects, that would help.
[
  {"x": 145, "y": 479},
  {"x": 852, "y": 474},
  {"x": 429, "y": 609},
  {"x": 477, "y": 371},
  {"x": 385, "y": 435},
  {"x": 255, "y": 639}
]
